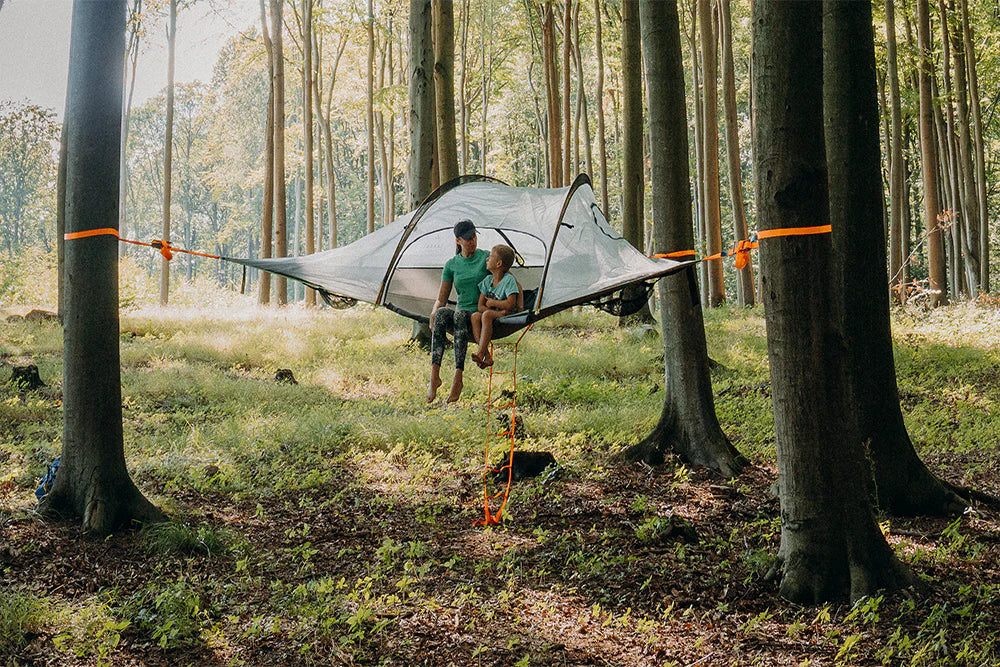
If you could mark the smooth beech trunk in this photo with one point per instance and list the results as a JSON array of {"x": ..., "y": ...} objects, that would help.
[
  {"x": 602, "y": 149},
  {"x": 902, "y": 484},
  {"x": 831, "y": 545},
  {"x": 280, "y": 197},
  {"x": 93, "y": 482},
  {"x": 168, "y": 149},
  {"x": 744, "y": 277},
  {"x": 444, "y": 90},
  {"x": 267, "y": 205},
  {"x": 897, "y": 195},
  {"x": 716, "y": 288},
  {"x": 307, "y": 131},
  {"x": 928, "y": 163},
  {"x": 688, "y": 424}
]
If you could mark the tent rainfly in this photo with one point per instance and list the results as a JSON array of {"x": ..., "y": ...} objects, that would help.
[{"x": 567, "y": 253}]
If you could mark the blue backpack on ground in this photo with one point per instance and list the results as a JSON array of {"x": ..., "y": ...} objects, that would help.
[{"x": 45, "y": 484}]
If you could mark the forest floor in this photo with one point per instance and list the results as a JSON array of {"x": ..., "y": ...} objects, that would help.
[{"x": 331, "y": 521}]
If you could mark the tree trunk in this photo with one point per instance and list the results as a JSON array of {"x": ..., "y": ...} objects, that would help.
[
  {"x": 324, "y": 122},
  {"x": 831, "y": 545},
  {"x": 897, "y": 199},
  {"x": 463, "y": 102},
  {"x": 688, "y": 423},
  {"x": 307, "y": 131},
  {"x": 699, "y": 155},
  {"x": 370, "y": 119},
  {"x": 902, "y": 484},
  {"x": 602, "y": 149},
  {"x": 421, "y": 115},
  {"x": 744, "y": 277},
  {"x": 93, "y": 481},
  {"x": 267, "y": 205},
  {"x": 968, "y": 190},
  {"x": 131, "y": 57},
  {"x": 567, "y": 177},
  {"x": 61, "y": 222},
  {"x": 168, "y": 150},
  {"x": 554, "y": 128},
  {"x": 928, "y": 161},
  {"x": 716, "y": 288},
  {"x": 280, "y": 197},
  {"x": 581, "y": 92},
  {"x": 977, "y": 131},
  {"x": 444, "y": 90},
  {"x": 633, "y": 183}
]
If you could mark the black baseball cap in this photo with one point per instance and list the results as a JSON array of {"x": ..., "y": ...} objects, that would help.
[{"x": 464, "y": 229}]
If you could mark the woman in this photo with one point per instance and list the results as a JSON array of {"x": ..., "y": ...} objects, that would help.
[{"x": 464, "y": 271}]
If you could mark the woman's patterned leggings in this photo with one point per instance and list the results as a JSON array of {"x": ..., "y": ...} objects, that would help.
[{"x": 458, "y": 324}]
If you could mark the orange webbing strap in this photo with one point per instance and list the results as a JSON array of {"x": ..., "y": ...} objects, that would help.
[
  {"x": 743, "y": 247},
  {"x": 164, "y": 247},
  {"x": 491, "y": 518}
]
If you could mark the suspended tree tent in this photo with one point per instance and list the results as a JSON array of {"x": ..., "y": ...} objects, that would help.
[{"x": 567, "y": 254}]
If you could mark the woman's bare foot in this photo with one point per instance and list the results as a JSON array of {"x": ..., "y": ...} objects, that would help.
[
  {"x": 486, "y": 361},
  {"x": 476, "y": 358},
  {"x": 432, "y": 393},
  {"x": 456, "y": 389}
]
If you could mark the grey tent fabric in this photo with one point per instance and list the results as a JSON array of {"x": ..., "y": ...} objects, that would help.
[{"x": 567, "y": 253}]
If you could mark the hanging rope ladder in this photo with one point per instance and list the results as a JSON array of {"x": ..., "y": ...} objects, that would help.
[{"x": 495, "y": 495}]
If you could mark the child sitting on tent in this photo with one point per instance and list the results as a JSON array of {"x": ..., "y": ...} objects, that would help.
[{"x": 497, "y": 297}]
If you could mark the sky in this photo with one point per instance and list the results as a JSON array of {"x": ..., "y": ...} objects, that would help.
[{"x": 35, "y": 34}]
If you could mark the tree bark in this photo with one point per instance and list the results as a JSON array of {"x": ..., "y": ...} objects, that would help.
[
  {"x": 554, "y": 128},
  {"x": 633, "y": 183},
  {"x": 897, "y": 196},
  {"x": 280, "y": 196},
  {"x": 567, "y": 177},
  {"x": 902, "y": 484},
  {"x": 716, "y": 287},
  {"x": 267, "y": 204},
  {"x": 421, "y": 101},
  {"x": 928, "y": 161},
  {"x": 602, "y": 150},
  {"x": 168, "y": 149},
  {"x": 968, "y": 190},
  {"x": 307, "y": 131},
  {"x": 977, "y": 131},
  {"x": 688, "y": 423},
  {"x": 370, "y": 120},
  {"x": 444, "y": 90},
  {"x": 831, "y": 546},
  {"x": 93, "y": 481},
  {"x": 744, "y": 277}
]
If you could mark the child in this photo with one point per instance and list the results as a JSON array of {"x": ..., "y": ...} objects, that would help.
[{"x": 497, "y": 297}]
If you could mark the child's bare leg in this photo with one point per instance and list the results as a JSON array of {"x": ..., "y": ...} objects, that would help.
[
  {"x": 456, "y": 386},
  {"x": 486, "y": 337},
  {"x": 476, "y": 326},
  {"x": 435, "y": 383}
]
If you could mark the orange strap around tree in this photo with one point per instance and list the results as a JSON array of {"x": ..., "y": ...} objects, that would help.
[
  {"x": 164, "y": 247},
  {"x": 743, "y": 247}
]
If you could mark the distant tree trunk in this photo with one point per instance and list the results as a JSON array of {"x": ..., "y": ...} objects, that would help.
[
  {"x": 977, "y": 131},
  {"x": 61, "y": 221},
  {"x": 370, "y": 118},
  {"x": 280, "y": 197},
  {"x": 929, "y": 160},
  {"x": 552, "y": 97},
  {"x": 897, "y": 196},
  {"x": 688, "y": 424},
  {"x": 307, "y": 131},
  {"x": 701, "y": 242},
  {"x": 744, "y": 277},
  {"x": 567, "y": 177},
  {"x": 949, "y": 162},
  {"x": 325, "y": 127},
  {"x": 93, "y": 481},
  {"x": 710, "y": 155},
  {"x": 421, "y": 116},
  {"x": 602, "y": 150},
  {"x": 633, "y": 183},
  {"x": 267, "y": 205},
  {"x": 831, "y": 546},
  {"x": 444, "y": 90},
  {"x": 131, "y": 57},
  {"x": 968, "y": 190},
  {"x": 902, "y": 484},
  {"x": 168, "y": 150},
  {"x": 581, "y": 92},
  {"x": 463, "y": 101}
]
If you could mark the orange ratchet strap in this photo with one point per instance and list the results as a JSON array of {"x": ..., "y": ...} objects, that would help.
[
  {"x": 743, "y": 247},
  {"x": 164, "y": 247}
]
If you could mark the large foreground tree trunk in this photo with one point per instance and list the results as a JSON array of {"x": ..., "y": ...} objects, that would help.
[
  {"x": 903, "y": 485},
  {"x": 93, "y": 482},
  {"x": 444, "y": 91},
  {"x": 688, "y": 424},
  {"x": 831, "y": 546}
]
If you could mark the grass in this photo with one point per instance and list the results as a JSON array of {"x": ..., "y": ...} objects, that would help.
[{"x": 331, "y": 520}]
